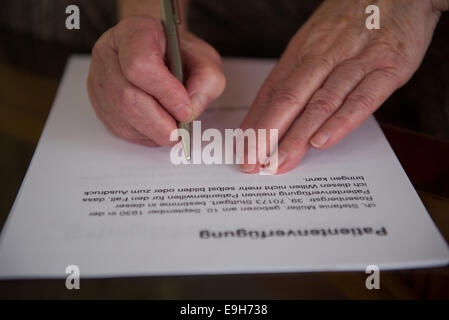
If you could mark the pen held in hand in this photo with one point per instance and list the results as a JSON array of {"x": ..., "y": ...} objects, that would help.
[{"x": 171, "y": 20}]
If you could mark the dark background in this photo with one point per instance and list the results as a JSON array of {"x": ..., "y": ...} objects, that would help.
[
  {"x": 259, "y": 28},
  {"x": 34, "y": 46}
]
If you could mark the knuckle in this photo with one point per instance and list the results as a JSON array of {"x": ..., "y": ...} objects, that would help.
[
  {"x": 297, "y": 140},
  {"x": 329, "y": 93},
  {"x": 322, "y": 106},
  {"x": 389, "y": 60},
  {"x": 100, "y": 44},
  {"x": 364, "y": 102},
  {"x": 153, "y": 59},
  {"x": 287, "y": 98},
  {"x": 134, "y": 67},
  {"x": 209, "y": 71},
  {"x": 388, "y": 56},
  {"x": 213, "y": 77},
  {"x": 352, "y": 69},
  {"x": 126, "y": 101},
  {"x": 343, "y": 120},
  {"x": 324, "y": 61},
  {"x": 325, "y": 102},
  {"x": 268, "y": 91},
  {"x": 218, "y": 82},
  {"x": 394, "y": 76}
]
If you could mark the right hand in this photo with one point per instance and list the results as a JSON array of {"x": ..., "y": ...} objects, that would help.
[{"x": 132, "y": 90}]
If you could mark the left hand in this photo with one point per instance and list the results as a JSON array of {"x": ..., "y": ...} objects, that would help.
[{"x": 335, "y": 73}]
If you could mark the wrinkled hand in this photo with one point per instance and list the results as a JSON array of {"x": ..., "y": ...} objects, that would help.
[
  {"x": 133, "y": 92},
  {"x": 335, "y": 73}
]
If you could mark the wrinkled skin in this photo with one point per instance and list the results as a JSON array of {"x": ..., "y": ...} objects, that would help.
[
  {"x": 335, "y": 73},
  {"x": 332, "y": 76},
  {"x": 133, "y": 92}
]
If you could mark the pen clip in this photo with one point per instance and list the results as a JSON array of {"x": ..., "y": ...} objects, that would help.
[{"x": 176, "y": 11}]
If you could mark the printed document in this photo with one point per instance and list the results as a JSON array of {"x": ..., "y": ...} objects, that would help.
[{"x": 116, "y": 209}]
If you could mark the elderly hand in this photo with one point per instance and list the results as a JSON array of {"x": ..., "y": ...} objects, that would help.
[
  {"x": 335, "y": 73},
  {"x": 133, "y": 92}
]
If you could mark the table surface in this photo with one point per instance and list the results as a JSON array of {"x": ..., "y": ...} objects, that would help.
[{"x": 26, "y": 95}]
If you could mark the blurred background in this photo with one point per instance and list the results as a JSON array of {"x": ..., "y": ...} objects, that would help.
[{"x": 34, "y": 46}]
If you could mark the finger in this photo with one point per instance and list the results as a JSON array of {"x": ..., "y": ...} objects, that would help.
[
  {"x": 291, "y": 96},
  {"x": 277, "y": 76},
  {"x": 122, "y": 100},
  {"x": 141, "y": 53},
  {"x": 100, "y": 98},
  {"x": 142, "y": 111},
  {"x": 121, "y": 129},
  {"x": 114, "y": 123},
  {"x": 361, "y": 103},
  {"x": 288, "y": 100},
  {"x": 205, "y": 81},
  {"x": 323, "y": 104}
]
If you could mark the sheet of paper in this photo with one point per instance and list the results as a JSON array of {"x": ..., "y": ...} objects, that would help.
[{"x": 117, "y": 209}]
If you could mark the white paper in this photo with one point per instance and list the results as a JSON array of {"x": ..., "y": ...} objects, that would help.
[{"x": 51, "y": 226}]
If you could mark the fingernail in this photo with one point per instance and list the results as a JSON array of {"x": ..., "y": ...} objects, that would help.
[
  {"x": 183, "y": 112},
  {"x": 198, "y": 102},
  {"x": 247, "y": 168},
  {"x": 272, "y": 165},
  {"x": 319, "y": 139}
]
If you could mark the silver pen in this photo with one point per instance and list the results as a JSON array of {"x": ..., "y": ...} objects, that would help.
[{"x": 171, "y": 19}]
